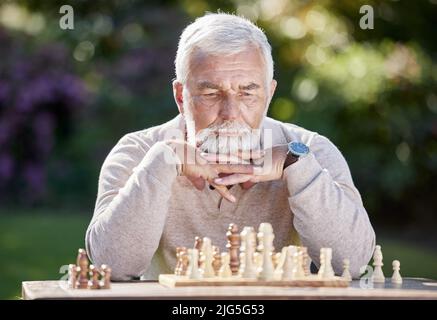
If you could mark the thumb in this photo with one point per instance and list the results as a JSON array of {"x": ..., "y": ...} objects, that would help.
[
  {"x": 247, "y": 185},
  {"x": 198, "y": 183}
]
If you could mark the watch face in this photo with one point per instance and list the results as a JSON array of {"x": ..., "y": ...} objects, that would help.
[{"x": 298, "y": 148}]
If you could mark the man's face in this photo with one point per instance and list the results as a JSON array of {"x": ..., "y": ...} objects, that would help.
[{"x": 225, "y": 97}]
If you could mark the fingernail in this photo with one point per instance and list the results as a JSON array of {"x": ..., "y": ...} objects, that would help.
[
  {"x": 232, "y": 198},
  {"x": 218, "y": 180},
  {"x": 203, "y": 154}
]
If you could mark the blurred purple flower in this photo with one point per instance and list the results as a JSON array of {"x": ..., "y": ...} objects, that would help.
[
  {"x": 6, "y": 167},
  {"x": 43, "y": 129},
  {"x": 38, "y": 94},
  {"x": 5, "y": 133},
  {"x": 4, "y": 92},
  {"x": 34, "y": 175}
]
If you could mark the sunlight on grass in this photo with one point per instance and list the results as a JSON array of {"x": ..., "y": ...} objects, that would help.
[
  {"x": 415, "y": 260},
  {"x": 35, "y": 244}
]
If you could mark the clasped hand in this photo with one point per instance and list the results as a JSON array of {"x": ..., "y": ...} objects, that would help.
[{"x": 221, "y": 170}]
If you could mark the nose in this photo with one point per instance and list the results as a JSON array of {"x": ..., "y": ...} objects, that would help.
[{"x": 230, "y": 109}]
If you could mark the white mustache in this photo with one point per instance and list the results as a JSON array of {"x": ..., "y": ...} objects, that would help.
[{"x": 228, "y": 138}]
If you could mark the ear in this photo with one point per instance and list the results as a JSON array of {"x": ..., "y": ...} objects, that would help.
[
  {"x": 271, "y": 93},
  {"x": 273, "y": 85},
  {"x": 177, "y": 93}
]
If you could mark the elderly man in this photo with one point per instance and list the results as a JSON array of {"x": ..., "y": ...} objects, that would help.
[{"x": 214, "y": 164}]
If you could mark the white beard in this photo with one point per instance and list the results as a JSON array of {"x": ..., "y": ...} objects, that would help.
[
  {"x": 211, "y": 141},
  {"x": 228, "y": 138}
]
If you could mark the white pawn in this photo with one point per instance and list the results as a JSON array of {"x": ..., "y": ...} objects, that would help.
[
  {"x": 279, "y": 270},
  {"x": 396, "y": 278},
  {"x": 298, "y": 271},
  {"x": 225, "y": 270},
  {"x": 326, "y": 270},
  {"x": 193, "y": 267},
  {"x": 208, "y": 271},
  {"x": 249, "y": 240},
  {"x": 378, "y": 274},
  {"x": 266, "y": 236},
  {"x": 288, "y": 269},
  {"x": 346, "y": 273}
]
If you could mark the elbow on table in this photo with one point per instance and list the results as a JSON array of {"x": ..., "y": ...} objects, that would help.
[
  {"x": 100, "y": 253},
  {"x": 362, "y": 257}
]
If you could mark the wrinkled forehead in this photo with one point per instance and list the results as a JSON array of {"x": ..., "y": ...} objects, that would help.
[{"x": 240, "y": 69}]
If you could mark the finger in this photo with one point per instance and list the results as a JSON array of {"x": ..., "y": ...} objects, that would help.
[
  {"x": 233, "y": 179},
  {"x": 223, "y": 158},
  {"x": 200, "y": 159},
  {"x": 251, "y": 154},
  {"x": 247, "y": 185},
  {"x": 224, "y": 192},
  {"x": 198, "y": 183},
  {"x": 233, "y": 168}
]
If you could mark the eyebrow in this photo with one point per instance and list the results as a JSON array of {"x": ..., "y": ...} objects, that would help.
[
  {"x": 250, "y": 86},
  {"x": 209, "y": 85}
]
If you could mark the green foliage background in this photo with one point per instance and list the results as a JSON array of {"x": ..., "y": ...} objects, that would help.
[{"x": 372, "y": 92}]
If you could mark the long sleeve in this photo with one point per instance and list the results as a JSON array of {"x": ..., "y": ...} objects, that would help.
[
  {"x": 131, "y": 206},
  {"x": 328, "y": 209}
]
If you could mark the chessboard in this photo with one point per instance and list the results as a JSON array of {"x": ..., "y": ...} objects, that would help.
[
  {"x": 249, "y": 262},
  {"x": 171, "y": 281}
]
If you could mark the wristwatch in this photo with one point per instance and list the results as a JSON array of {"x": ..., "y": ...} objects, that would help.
[{"x": 295, "y": 151}]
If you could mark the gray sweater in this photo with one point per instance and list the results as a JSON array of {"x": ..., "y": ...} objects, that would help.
[{"x": 144, "y": 209}]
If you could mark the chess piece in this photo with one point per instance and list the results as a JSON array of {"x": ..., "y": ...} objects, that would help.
[
  {"x": 225, "y": 270},
  {"x": 346, "y": 273},
  {"x": 326, "y": 270},
  {"x": 249, "y": 240},
  {"x": 396, "y": 277},
  {"x": 242, "y": 254},
  {"x": 298, "y": 270},
  {"x": 105, "y": 273},
  {"x": 217, "y": 259},
  {"x": 233, "y": 247},
  {"x": 265, "y": 233},
  {"x": 258, "y": 259},
  {"x": 184, "y": 262},
  {"x": 289, "y": 266},
  {"x": 277, "y": 259},
  {"x": 378, "y": 274},
  {"x": 322, "y": 265},
  {"x": 179, "y": 260},
  {"x": 280, "y": 264},
  {"x": 93, "y": 283},
  {"x": 72, "y": 276},
  {"x": 82, "y": 263},
  {"x": 208, "y": 271},
  {"x": 242, "y": 261},
  {"x": 193, "y": 267},
  {"x": 274, "y": 256},
  {"x": 306, "y": 261},
  {"x": 198, "y": 244}
]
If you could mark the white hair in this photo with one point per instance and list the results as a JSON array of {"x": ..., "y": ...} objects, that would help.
[{"x": 221, "y": 34}]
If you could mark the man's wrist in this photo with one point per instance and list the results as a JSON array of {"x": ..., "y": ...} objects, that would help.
[{"x": 289, "y": 160}]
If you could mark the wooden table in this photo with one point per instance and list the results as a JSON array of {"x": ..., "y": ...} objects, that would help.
[{"x": 412, "y": 288}]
